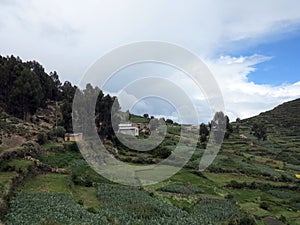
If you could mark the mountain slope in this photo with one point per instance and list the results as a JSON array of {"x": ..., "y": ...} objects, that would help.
[{"x": 282, "y": 120}]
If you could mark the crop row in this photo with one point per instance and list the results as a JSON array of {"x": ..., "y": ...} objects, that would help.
[{"x": 118, "y": 205}]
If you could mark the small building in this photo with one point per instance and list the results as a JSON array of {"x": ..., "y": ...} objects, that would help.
[
  {"x": 243, "y": 136},
  {"x": 128, "y": 128},
  {"x": 73, "y": 137}
]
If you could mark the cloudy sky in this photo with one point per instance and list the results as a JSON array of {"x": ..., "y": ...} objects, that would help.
[{"x": 251, "y": 47}]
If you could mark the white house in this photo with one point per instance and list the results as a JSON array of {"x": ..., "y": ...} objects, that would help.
[{"x": 127, "y": 128}]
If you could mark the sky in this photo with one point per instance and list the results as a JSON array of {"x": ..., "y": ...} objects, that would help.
[{"x": 251, "y": 47}]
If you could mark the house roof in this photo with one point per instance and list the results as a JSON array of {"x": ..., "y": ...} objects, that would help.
[
  {"x": 125, "y": 125},
  {"x": 72, "y": 134},
  {"x": 128, "y": 128}
]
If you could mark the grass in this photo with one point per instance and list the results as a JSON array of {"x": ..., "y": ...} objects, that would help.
[
  {"x": 61, "y": 183},
  {"x": 184, "y": 176},
  {"x": 183, "y": 202},
  {"x": 20, "y": 164},
  {"x": 87, "y": 194},
  {"x": 221, "y": 179},
  {"x": 239, "y": 160},
  {"x": 250, "y": 200},
  {"x": 50, "y": 182},
  {"x": 5, "y": 177},
  {"x": 2, "y": 148}
]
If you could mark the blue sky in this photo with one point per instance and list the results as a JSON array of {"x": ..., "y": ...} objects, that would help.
[
  {"x": 283, "y": 67},
  {"x": 251, "y": 47}
]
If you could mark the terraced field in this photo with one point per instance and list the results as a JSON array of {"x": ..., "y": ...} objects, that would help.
[{"x": 250, "y": 182}]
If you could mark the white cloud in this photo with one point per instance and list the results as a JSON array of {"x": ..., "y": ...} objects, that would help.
[
  {"x": 242, "y": 97},
  {"x": 68, "y": 36}
]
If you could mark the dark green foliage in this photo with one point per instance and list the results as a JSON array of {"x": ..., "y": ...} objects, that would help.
[
  {"x": 56, "y": 132},
  {"x": 281, "y": 194},
  {"x": 218, "y": 126},
  {"x": 169, "y": 121},
  {"x": 133, "y": 206},
  {"x": 105, "y": 115},
  {"x": 66, "y": 110},
  {"x": 182, "y": 189},
  {"x": 242, "y": 221},
  {"x": 47, "y": 208},
  {"x": 24, "y": 86},
  {"x": 229, "y": 128},
  {"x": 216, "y": 209},
  {"x": 260, "y": 131},
  {"x": 264, "y": 205},
  {"x": 119, "y": 205},
  {"x": 283, "y": 119},
  {"x": 204, "y": 132},
  {"x": 42, "y": 138},
  {"x": 282, "y": 218},
  {"x": 161, "y": 152}
]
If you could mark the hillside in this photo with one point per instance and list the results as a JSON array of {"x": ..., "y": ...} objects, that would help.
[
  {"x": 283, "y": 129},
  {"x": 250, "y": 181},
  {"x": 282, "y": 120}
]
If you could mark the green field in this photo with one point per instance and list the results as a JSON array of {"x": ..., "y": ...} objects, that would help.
[{"x": 249, "y": 182}]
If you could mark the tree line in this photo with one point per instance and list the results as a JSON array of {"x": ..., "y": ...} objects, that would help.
[{"x": 25, "y": 87}]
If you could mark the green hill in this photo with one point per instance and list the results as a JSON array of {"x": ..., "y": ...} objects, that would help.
[{"x": 282, "y": 120}]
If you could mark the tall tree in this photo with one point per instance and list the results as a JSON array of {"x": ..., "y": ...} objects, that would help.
[
  {"x": 218, "y": 127},
  {"x": 259, "y": 131},
  {"x": 204, "y": 132},
  {"x": 229, "y": 128},
  {"x": 26, "y": 95}
]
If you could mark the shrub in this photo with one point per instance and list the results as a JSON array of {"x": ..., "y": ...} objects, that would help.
[
  {"x": 161, "y": 152},
  {"x": 56, "y": 132},
  {"x": 92, "y": 210},
  {"x": 42, "y": 138},
  {"x": 264, "y": 205}
]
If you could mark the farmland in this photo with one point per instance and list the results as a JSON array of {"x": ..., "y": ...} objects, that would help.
[{"x": 249, "y": 182}]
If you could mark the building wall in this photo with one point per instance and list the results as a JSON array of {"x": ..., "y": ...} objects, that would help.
[{"x": 134, "y": 131}]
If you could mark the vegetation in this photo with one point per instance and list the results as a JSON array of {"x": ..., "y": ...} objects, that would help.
[
  {"x": 251, "y": 181},
  {"x": 259, "y": 131},
  {"x": 182, "y": 189}
]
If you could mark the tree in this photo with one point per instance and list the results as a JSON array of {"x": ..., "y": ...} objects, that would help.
[
  {"x": 218, "y": 127},
  {"x": 238, "y": 122},
  {"x": 42, "y": 138},
  {"x": 169, "y": 121},
  {"x": 66, "y": 110},
  {"x": 56, "y": 86},
  {"x": 229, "y": 128},
  {"x": 154, "y": 123},
  {"x": 68, "y": 91},
  {"x": 259, "y": 131},
  {"x": 204, "y": 132},
  {"x": 25, "y": 86},
  {"x": 26, "y": 95}
]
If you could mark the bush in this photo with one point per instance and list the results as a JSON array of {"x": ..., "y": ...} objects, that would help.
[
  {"x": 161, "y": 152},
  {"x": 42, "y": 138},
  {"x": 80, "y": 202},
  {"x": 73, "y": 147},
  {"x": 242, "y": 221},
  {"x": 56, "y": 132},
  {"x": 92, "y": 210},
  {"x": 229, "y": 197},
  {"x": 264, "y": 205},
  {"x": 283, "y": 219}
]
